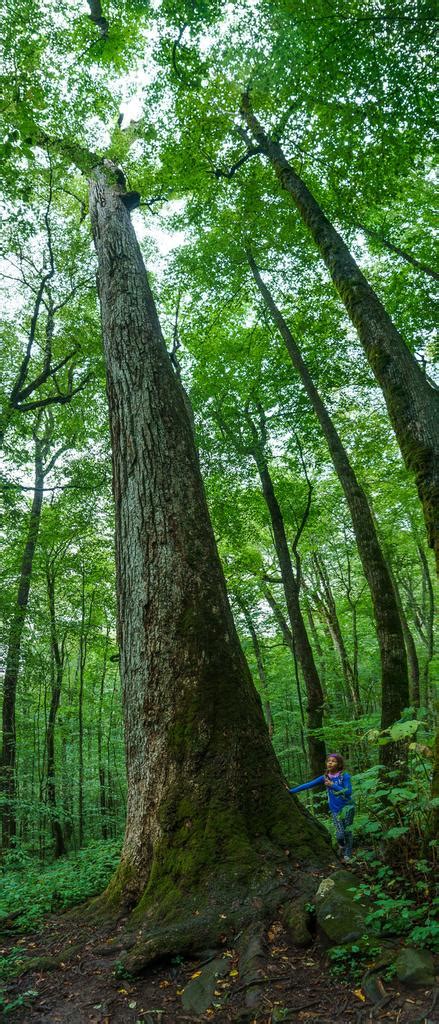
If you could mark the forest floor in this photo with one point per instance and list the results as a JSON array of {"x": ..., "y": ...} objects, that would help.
[{"x": 295, "y": 985}]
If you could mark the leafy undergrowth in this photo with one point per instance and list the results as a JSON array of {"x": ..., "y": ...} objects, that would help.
[{"x": 37, "y": 890}]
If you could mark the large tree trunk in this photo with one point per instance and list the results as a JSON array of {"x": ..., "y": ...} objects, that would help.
[
  {"x": 412, "y": 403},
  {"x": 208, "y": 815},
  {"x": 394, "y": 674},
  {"x": 8, "y": 757}
]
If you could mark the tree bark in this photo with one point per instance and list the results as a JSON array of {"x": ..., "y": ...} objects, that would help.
[
  {"x": 8, "y": 758},
  {"x": 207, "y": 814},
  {"x": 412, "y": 403},
  {"x": 394, "y": 674}
]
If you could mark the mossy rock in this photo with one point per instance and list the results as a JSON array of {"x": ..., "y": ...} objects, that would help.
[
  {"x": 340, "y": 918},
  {"x": 299, "y": 921},
  {"x": 199, "y": 992},
  {"x": 415, "y": 967}
]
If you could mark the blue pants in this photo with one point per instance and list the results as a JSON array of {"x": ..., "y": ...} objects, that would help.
[{"x": 343, "y": 828}]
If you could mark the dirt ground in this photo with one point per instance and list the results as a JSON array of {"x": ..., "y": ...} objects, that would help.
[{"x": 293, "y": 985}]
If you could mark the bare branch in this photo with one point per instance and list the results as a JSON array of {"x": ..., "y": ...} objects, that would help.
[
  {"x": 302, "y": 524},
  {"x": 44, "y": 376},
  {"x": 407, "y": 256},
  {"x": 253, "y": 151},
  {"x": 98, "y": 18},
  {"x": 37, "y": 305},
  {"x": 175, "y": 46},
  {"x": 60, "y": 399}
]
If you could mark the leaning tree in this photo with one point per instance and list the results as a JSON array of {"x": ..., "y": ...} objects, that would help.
[{"x": 209, "y": 820}]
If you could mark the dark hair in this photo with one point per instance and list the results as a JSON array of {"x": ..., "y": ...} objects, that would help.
[{"x": 340, "y": 761}]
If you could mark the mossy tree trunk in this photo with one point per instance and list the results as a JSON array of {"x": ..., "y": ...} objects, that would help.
[
  {"x": 394, "y": 672},
  {"x": 412, "y": 403},
  {"x": 208, "y": 816}
]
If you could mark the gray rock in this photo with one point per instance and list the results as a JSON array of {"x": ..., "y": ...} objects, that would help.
[
  {"x": 252, "y": 962},
  {"x": 415, "y": 967},
  {"x": 199, "y": 992},
  {"x": 298, "y": 920},
  {"x": 340, "y": 918}
]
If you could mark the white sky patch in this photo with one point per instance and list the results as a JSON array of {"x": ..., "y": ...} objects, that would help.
[{"x": 165, "y": 240}]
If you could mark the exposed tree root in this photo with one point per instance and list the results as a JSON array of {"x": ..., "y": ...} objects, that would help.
[
  {"x": 47, "y": 963},
  {"x": 208, "y": 920}
]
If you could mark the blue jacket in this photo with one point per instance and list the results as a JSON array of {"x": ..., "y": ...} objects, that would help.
[{"x": 339, "y": 794}]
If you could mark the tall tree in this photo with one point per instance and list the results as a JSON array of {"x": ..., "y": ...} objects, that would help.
[
  {"x": 291, "y": 581},
  {"x": 394, "y": 673},
  {"x": 56, "y": 677},
  {"x": 43, "y": 441},
  {"x": 412, "y": 401},
  {"x": 198, "y": 825}
]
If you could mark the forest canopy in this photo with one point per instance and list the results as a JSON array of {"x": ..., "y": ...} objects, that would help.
[{"x": 255, "y": 418}]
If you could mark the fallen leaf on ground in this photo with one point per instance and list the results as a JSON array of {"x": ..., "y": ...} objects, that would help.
[{"x": 359, "y": 994}]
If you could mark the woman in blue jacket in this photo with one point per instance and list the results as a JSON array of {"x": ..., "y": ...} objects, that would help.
[{"x": 341, "y": 805}]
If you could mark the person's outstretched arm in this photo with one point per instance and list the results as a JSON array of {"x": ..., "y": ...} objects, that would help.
[
  {"x": 343, "y": 786},
  {"x": 308, "y": 785}
]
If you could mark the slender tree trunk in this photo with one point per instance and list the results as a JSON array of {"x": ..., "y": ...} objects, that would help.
[
  {"x": 288, "y": 639},
  {"x": 408, "y": 257},
  {"x": 206, "y": 801},
  {"x": 433, "y": 825},
  {"x": 291, "y": 585},
  {"x": 412, "y": 403},
  {"x": 314, "y": 634},
  {"x": 101, "y": 765},
  {"x": 410, "y": 646},
  {"x": 259, "y": 662},
  {"x": 57, "y": 670},
  {"x": 8, "y": 757},
  {"x": 326, "y": 601},
  {"x": 82, "y": 661},
  {"x": 429, "y": 620},
  {"x": 394, "y": 674}
]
